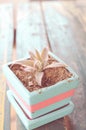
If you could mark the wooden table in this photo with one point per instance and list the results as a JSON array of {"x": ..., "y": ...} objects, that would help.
[{"x": 62, "y": 27}]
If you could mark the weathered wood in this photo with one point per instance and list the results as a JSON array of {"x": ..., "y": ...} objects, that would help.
[
  {"x": 66, "y": 33},
  {"x": 22, "y": 29},
  {"x": 6, "y": 30},
  {"x": 34, "y": 9},
  {"x": 30, "y": 33},
  {"x": 13, "y": 117},
  {"x": 6, "y": 112},
  {"x": 78, "y": 23},
  {"x": 80, "y": 38},
  {"x": 63, "y": 26},
  {"x": 30, "y": 29},
  {"x": 6, "y": 42},
  {"x": 58, "y": 33}
]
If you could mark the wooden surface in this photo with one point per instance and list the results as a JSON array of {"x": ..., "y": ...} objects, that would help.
[
  {"x": 62, "y": 27},
  {"x": 6, "y": 39}
]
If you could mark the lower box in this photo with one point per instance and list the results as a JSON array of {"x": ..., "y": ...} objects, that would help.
[{"x": 39, "y": 121}]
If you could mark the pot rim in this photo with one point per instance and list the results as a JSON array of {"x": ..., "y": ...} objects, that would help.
[{"x": 73, "y": 77}]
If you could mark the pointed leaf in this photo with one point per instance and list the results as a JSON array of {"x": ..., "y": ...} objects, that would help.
[
  {"x": 25, "y": 67},
  {"x": 44, "y": 54},
  {"x": 26, "y": 62},
  {"x": 38, "y": 65},
  {"x": 54, "y": 65},
  {"x": 32, "y": 55},
  {"x": 38, "y": 55},
  {"x": 38, "y": 77},
  {"x": 29, "y": 68}
]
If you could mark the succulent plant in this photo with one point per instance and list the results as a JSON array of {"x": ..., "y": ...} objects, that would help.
[{"x": 37, "y": 63}]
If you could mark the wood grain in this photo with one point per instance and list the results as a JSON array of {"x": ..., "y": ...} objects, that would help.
[
  {"x": 30, "y": 34},
  {"x": 30, "y": 29},
  {"x": 13, "y": 117},
  {"x": 60, "y": 25},
  {"x": 6, "y": 39},
  {"x": 66, "y": 33}
]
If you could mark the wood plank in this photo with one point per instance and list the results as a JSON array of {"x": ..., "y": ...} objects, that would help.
[
  {"x": 30, "y": 29},
  {"x": 13, "y": 117},
  {"x": 6, "y": 39},
  {"x": 76, "y": 10},
  {"x": 22, "y": 20},
  {"x": 36, "y": 25},
  {"x": 56, "y": 27},
  {"x": 35, "y": 14},
  {"x": 61, "y": 32},
  {"x": 30, "y": 34},
  {"x": 6, "y": 112},
  {"x": 2, "y": 100},
  {"x": 66, "y": 33},
  {"x": 6, "y": 29},
  {"x": 80, "y": 38}
]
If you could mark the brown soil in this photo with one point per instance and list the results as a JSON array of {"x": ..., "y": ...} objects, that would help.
[
  {"x": 54, "y": 75},
  {"x": 51, "y": 76}
]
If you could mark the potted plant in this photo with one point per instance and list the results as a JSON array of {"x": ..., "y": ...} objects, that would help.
[{"x": 41, "y": 83}]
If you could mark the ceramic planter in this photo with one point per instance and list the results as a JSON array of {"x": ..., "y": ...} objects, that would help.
[
  {"x": 34, "y": 123},
  {"x": 44, "y": 100}
]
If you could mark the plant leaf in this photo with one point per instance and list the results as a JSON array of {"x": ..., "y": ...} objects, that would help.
[
  {"x": 27, "y": 66},
  {"x": 26, "y": 62},
  {"x": 29, "y": 69},
  {"x": 54, "y": 65},
  {"x": 32, "y": 55},
  {"x": 38, "y": 55},
  {"x": 38, "y": 76},
  {"x": 38, "y": 65},
  {"x": 44, "y": 54}
]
